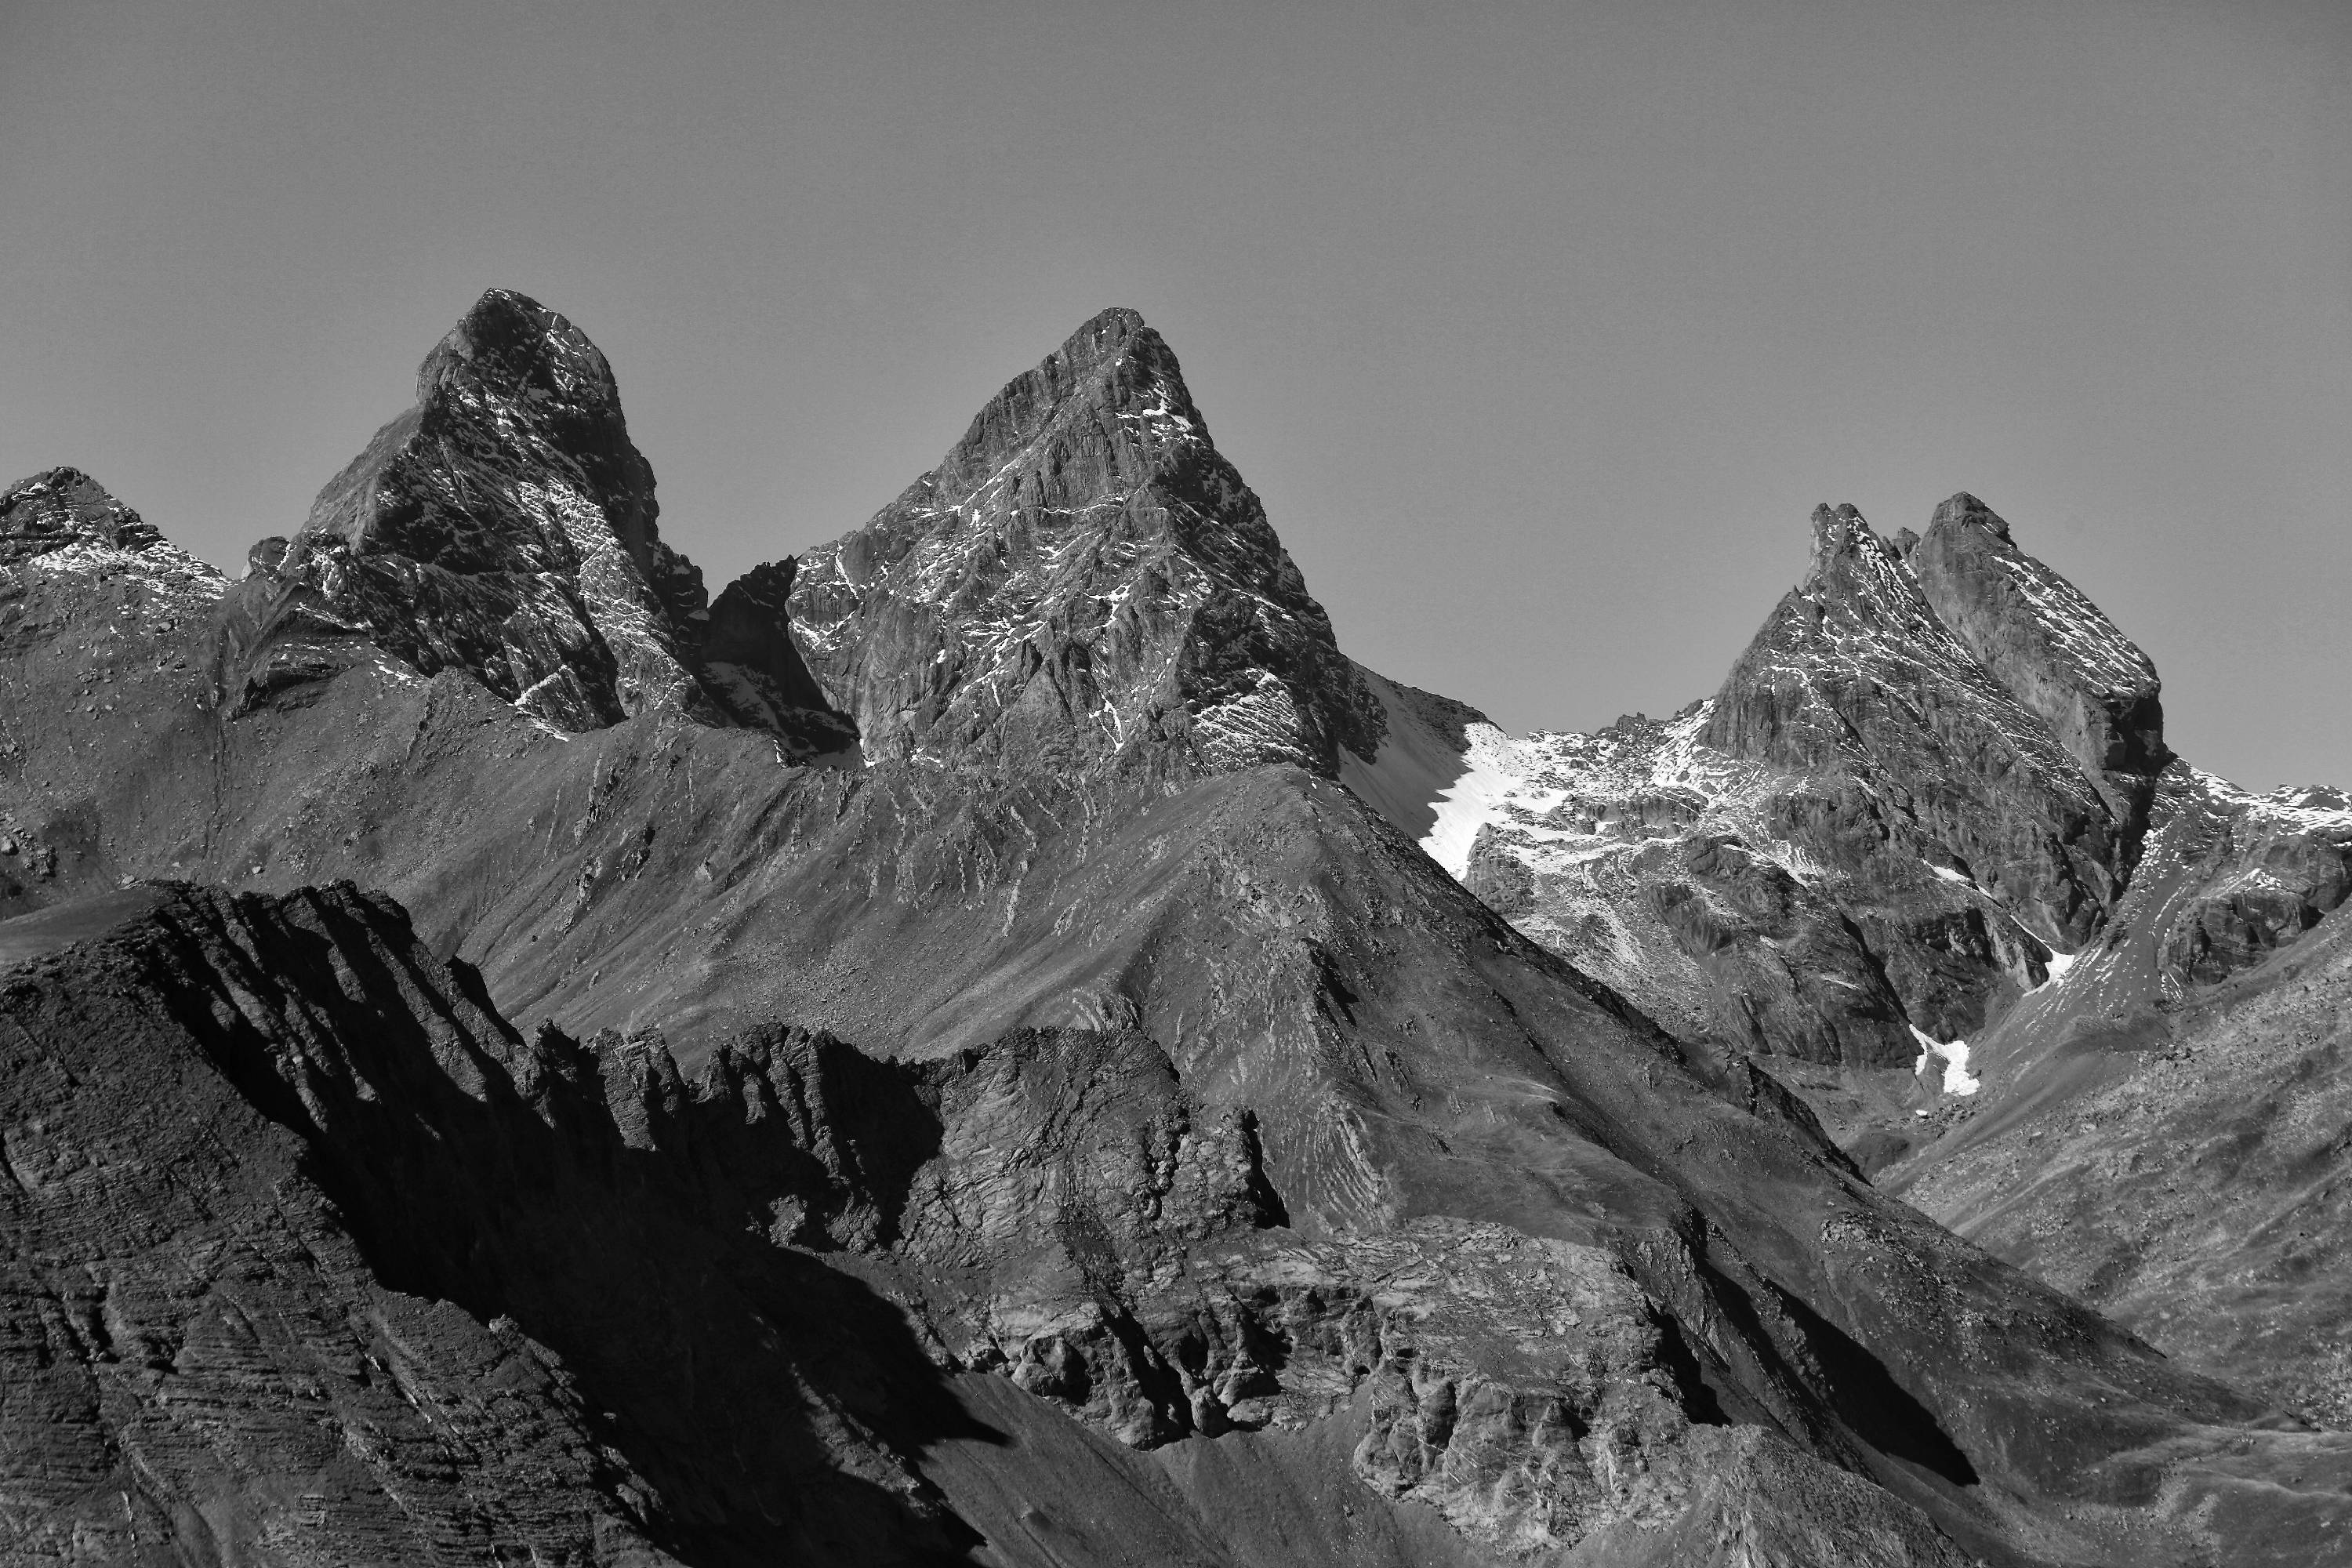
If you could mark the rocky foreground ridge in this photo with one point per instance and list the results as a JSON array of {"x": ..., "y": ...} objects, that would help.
[{"x": 1078, "y": 1121}]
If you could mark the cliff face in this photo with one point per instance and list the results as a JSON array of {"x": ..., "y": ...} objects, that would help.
[
  {"x": 204, "y": 1362},
  {"x": 1205, "y": 1166}
]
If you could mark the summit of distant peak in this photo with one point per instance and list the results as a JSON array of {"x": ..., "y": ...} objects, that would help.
[
  {"x": 513, "y": 345},
  {"x": 60, "y": 506},
  {"x": 1963, "y": 509},
  {"x": 1842, "y": 538}
]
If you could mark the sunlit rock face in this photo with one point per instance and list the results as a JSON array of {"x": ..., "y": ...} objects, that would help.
[{"x": 1082, "y": 577}]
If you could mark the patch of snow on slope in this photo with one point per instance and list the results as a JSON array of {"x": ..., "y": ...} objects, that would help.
[
  {"x": 1954, "y": 1054},
  {"x": 1496, "y": 767}
]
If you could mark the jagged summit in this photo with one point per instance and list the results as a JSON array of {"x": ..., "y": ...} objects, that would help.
[
  {"x": 506, "y": 526},
  {"x": 1859, "y": 850},
  {"x": 66, "y": 545},
  {"x": 60, "y": 508},
  {"x": 1083, "y": 576},
  {"x": 1856, "y": 676},
  {"x": 2051, "y": 648}
]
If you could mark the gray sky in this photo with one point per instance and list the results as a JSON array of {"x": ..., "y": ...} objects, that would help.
[{"x": 1540, "y": 328}]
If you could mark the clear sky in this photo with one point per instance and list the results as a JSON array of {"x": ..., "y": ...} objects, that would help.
[{"x": 1540, "y": 328}]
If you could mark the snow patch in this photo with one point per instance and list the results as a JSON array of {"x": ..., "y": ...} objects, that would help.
[
  {"x": 1954, "y": 1054},
  {"x": 1493, "y": 768}
]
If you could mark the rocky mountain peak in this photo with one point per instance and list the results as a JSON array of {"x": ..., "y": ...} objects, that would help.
[
  {"x": 1855, "y": 677},
  {"x": 1112, "y": 365},
  {"x": 1083, "y": 576},
  {"x": 1962, "y": 509},
  {"x": 2053, "y": 650},
  {"x": 511, "y": 345},
  {"x": 506, "y": 526},
  {"x": 60, "y": 508}
]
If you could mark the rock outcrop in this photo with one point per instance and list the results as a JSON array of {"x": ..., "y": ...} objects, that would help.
[
  {"x": 751, "y": 665},
  {"x": 2262, "y": 872}
]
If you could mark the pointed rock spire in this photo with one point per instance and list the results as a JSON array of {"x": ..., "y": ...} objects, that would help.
[
  {"x": 1082, "y": 576},
  {"x": 505, "y": 526},
  {"x": 2052, "y": 647}
]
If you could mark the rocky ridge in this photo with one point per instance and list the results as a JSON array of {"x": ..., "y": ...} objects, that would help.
[{"x": 418, "y": 1257}]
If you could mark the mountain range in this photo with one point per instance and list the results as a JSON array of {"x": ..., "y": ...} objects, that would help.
[{"x": 995, "y": 1041}]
